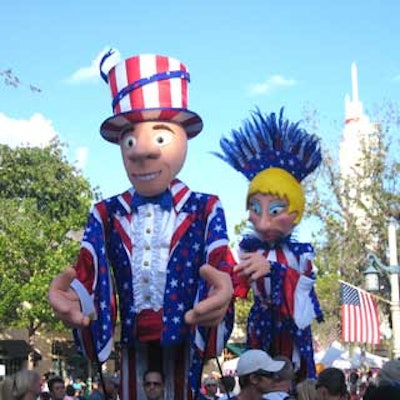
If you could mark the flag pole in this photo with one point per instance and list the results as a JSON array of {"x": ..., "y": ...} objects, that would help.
[{"x": 372, "y": 294}]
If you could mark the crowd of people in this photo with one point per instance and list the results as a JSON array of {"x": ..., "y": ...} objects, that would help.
[
  {"x": 257, "y": 377},
  {"x": 29, "y": 385},
  {"x": 261, "y": 377}
]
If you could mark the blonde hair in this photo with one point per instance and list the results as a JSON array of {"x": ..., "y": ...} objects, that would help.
[
  {"x": 306, "y": 390},
  {"x": 278, "y": 182},
  {"x": 16, "y": 386}
]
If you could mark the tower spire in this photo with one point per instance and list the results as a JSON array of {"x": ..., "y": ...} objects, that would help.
[
  {"x": 354, "y": 82},
  {"x": 353, "y": 105}
]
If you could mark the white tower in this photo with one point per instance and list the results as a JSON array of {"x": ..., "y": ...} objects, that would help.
[
  {"x": 358, "y": 134},
  {"x": 358, "y": 130}
]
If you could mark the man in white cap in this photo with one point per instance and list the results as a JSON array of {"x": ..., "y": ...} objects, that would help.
[
  {"x": 160, "y": 248},
  {"x": 255, "y": 370},
  {"x": 281, "y": 382}
]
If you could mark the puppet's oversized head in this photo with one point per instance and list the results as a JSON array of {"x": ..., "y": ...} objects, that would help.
[
  {"x": 275, "y": 155},
  {"x": 151, "y": 121}
]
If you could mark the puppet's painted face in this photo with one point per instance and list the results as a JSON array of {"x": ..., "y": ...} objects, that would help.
[
  {"x": 269, "y": 216},
  {"x": 153, "y": 153}
]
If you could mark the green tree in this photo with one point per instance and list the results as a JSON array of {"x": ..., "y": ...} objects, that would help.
[
  {"x": 353, "y": 210},
  {"x": 44, "y": 200}
]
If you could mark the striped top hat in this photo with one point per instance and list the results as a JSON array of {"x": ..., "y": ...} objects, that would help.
[{"x": 148, "y": 88}]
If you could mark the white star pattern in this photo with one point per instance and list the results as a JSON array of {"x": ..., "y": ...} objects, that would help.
[{"x": 218, "y": 228}]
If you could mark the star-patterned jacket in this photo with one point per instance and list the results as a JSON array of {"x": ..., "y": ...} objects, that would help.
[
  {"x": 105, "y": 258},
  {"x": 285, "y": 302}
]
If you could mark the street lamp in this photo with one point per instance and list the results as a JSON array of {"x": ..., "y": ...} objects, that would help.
[{"x": 375, "y": 268}]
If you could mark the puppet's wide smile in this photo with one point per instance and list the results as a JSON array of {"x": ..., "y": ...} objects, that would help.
[{"x": 146, "y": 177}]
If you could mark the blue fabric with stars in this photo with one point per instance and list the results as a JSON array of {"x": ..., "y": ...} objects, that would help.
[
  {"x": 204, "y": 226},
  {"x": 263, "y": 323}
]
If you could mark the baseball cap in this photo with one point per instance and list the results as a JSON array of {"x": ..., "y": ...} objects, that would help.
[{"x": 257, "y": 360}]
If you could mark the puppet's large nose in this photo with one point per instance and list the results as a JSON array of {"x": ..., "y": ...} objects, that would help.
[
  {"x": 264, "y": 222},
  {"x": 144, "y": 148}
]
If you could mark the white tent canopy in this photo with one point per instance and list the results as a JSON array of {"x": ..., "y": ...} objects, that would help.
[{"x": 337, "y": 356}]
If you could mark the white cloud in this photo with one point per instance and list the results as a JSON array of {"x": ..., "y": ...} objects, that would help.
[
  {"x": 35, "y": 131},
  {"x": 81, "y": 155},
  {"x": 91, "y": 73},
  {"x": 270, "y": 84}
]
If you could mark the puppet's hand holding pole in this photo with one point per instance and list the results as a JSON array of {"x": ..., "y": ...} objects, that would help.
[
  {"x": 211, "y": 311},
  {"x": 252, "y": 266},
  {"x": 65, "y": 302}
]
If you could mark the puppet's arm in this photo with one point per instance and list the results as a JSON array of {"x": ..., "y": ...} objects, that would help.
[
  {"x": 298, "y": 290},
  {"x": 220, "y": 294},
  {"x": 94, "y": 286}
]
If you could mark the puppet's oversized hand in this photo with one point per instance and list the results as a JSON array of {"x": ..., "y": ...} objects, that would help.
[
  {"x": 252, "y": 266},
  {"x": 211, "y": 311},
  {"x": 65, "y": 302}
]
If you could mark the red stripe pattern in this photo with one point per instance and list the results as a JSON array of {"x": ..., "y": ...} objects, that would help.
[
  {"x": 159, "y": 99},
  {"x": 360, "y": 316}
]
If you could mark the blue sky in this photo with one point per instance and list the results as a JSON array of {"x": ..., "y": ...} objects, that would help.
[{"x": 241, "y": 54}]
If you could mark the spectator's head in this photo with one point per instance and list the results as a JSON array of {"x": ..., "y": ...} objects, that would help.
[
  {"x": 306, "y": 390},
  {"x": 282, "y": 379},
  {"x": 153, "y": 384},
  {"x": 353, "y": 377},
  {"x": 389, "y": 374},
  {"x": 110, "y": 385},
  {"x": 385, "y": 392},
  {"x": 256, "y": 369},
  {"x": 210, "y": 386},
  {"x": 227, "y": 383},
  {"x": 331, "y": 384},
  {"x": 25, "y": 384},
  {"x": 70, "y": 390},
  {"x": 56, "y": 388}
]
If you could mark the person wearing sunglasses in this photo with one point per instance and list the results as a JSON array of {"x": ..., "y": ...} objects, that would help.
[
  {"x": 153, "y": 385},
  {"x": 210, "y": 385}
]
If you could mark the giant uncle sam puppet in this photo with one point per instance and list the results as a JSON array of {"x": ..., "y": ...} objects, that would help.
[
  {"x": 159, "y": 249},
  {"x": 275, "y": 155}
]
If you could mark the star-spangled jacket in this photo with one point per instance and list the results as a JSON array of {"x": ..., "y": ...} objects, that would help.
[
  {"x": 199, "y": 237},
  {"x": 285, "y": 299}
]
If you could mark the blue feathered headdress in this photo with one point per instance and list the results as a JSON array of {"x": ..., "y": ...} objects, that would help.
[{"x": 264, "y": 142}]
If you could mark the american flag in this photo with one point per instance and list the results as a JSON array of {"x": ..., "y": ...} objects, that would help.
[{"x": 360, "y": 317}]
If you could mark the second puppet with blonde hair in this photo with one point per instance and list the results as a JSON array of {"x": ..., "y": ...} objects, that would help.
[{"x": 275, "y": 155}]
